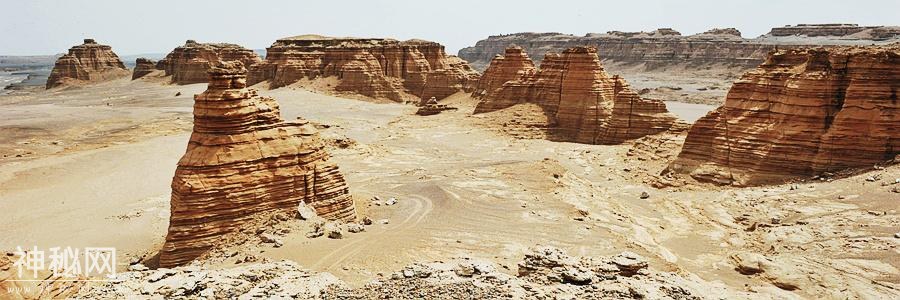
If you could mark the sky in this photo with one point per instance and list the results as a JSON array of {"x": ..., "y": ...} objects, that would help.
[{"x": 40, "y": 27}]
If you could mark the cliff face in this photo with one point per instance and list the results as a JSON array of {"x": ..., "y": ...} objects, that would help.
[
  {"x": 243, "y": 159},
  {"x": 142, "y": 66},
  {"x": 512, "y": 65},
  {"x": 800, "y": 113},
  {"x": 585, "y": 104},
  {"x": 378, "y": 68},
  {"x": 665, "y": 46},
  {"x": 189, "y": 63},
  {"x": 85, "y": 63}
]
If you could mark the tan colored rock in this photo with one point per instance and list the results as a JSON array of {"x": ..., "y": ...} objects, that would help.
[
  {"x": 585, "y": 103},
  {"x": 513, "y": 65},
  {"x": 87, "y": 63},
  {"x": 243, "y": 159},
  {"x": 373, "y": 67},
  {"x": 142, "y": 67},
  {"x": 189, "y": 63},
  {"x": 800, "y": 113}
]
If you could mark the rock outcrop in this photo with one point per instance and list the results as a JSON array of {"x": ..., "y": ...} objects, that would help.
[
  {"x": 189, "y": 63},
  {"x": 243, "y": 159},
  {"x": 86, "y": 63},
  {"x": 802, "y": 112},
  {"x": 665, "y": 47},
  {"x": 377, "y": 68},
  {"x": 512, "y": 65},
  {"x": 142, "y": 66},
  {"x": 584, "y": 102}
]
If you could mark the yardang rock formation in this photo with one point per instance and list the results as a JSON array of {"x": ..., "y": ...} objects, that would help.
[
  {"x": 189, "y": 63},
  {"x": 802, "y": 112},
  {"x": 142, "y": 67},
  {"x": 377, "y": 68},
  {"x": 243, "y": 159},
  {"x": 88, "y": 62},
  {"x": 573, "y": 89}
]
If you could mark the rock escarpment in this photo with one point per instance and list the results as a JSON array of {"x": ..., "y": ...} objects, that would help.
[
  {"x": 584, "y": 102},
  {"x": 665, "y": 47},
  {"x": 189, "y": 63},
  {"x": 378, "y": 68},
  {"x": 802, "y": 112},
  {"x": 85, "y": 63},
  {"x": 512, "y": 65},
  {"x": 142, "y": 66},
  {"x": 243, "y": 159}
]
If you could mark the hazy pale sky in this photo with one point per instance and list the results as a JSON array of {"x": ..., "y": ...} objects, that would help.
[{"x": 31, "y": 27}]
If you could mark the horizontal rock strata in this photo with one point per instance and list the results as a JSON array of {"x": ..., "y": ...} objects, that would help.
[
  {"x": 142, "y": 66},
  {"x": 243, "y": 159},
  {"x": 189, "y": 63},
  {"x": 666, "y": 47},
  {"x": 378, "y": 68},
  {"x": 800, "y": 113},
  {"x": 586, "y": 104},
  {"x": 514, "y": 64},
  {"x": 86, "y": 63}
]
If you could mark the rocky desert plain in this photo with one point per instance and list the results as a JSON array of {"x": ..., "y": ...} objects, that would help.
[{"x": 645, "y": 165}]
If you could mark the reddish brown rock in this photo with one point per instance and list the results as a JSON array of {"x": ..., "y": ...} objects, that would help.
[
  {"x": 586, "y": 105},
  {"x": 189, "y": 63},
  {"x": 513, "y": 65},
  {"x": 800, "y": 113},
  {"x": 142, "y": 66},
  {"x": 378, "y": 68},
  {"x": 243, "y": 159},
  {"x": 86, "y": 63}
]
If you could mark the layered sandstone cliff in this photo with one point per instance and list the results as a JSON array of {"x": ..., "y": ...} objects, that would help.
[
  {"x": 142, "y": 67},
  {"x": 378, "y": 68},
  {"x": 800, "y": 113},
  {"x": 85, "y": 63},
  {"x": 243, "y": 159},
  {"x": 585, "y": 104},
  {"x": 665, "y": 47},
  {"x": 512, "y": 65},
  {"x": 189, "y": 63}
]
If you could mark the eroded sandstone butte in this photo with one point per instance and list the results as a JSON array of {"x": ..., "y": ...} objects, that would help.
[
  {"x": 243, "y": 159},
  {"x": 142, "y": 67},
  {"x": 189, "y": 63},
  {"x": 85, "y": 63},
  {"x": 584, "y": 102},
  {"x": 666, "y": 47},
  {"x": 512, "y": 65},
  {"x": 800, "y": 113},
  {"x": 378, "y": 68}
]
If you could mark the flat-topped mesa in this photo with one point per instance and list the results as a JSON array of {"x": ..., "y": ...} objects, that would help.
[
  {"x": 801, "y": 113},
  {"x": 813, "y": 30},
  {"x": 142, "y": 67},
  {"x": 512, "y": 65},
  {"x": 373, "y": 67},
  {"x": 189, "y": 63},
  {"x": 87, "y": 63},
  {"x": 584, "y": 102},
  {"x": 243, "y": 159}
]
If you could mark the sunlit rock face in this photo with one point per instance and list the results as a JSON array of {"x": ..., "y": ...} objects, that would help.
[{"x": 86, "y": 63}]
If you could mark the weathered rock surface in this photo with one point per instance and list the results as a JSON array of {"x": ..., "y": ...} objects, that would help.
[
  {"x": 586, "y": 105},
  {"x": 378, "y": 68},
  {"x": 86, "y": 63},
  {"x": 666, "y": 47},
  {"x": 802, "y": 112},
  {"x": 189, "y": 63},
  {"x": 142, "y": 66},
  {"x": 243, "y": 159},
  {"x": 514, "y": 64}
]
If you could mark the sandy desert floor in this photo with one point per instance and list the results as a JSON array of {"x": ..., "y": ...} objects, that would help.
[{"x": 91, "y": 166}]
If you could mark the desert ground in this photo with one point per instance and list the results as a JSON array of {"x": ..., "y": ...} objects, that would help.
[{"x": 92, "y": 166}]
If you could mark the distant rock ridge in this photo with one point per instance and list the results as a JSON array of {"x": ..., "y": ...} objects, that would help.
[
  {"x": 190, "y": 62},
  {"x": 584, "y": 102},
  {"x": 801, "y": 113},
  {"x": 86, "y": 63},
  {"x": 243, "y": 159},
  {"x": 374, "y": 67},
  {"x": 666, "y": 47}
]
